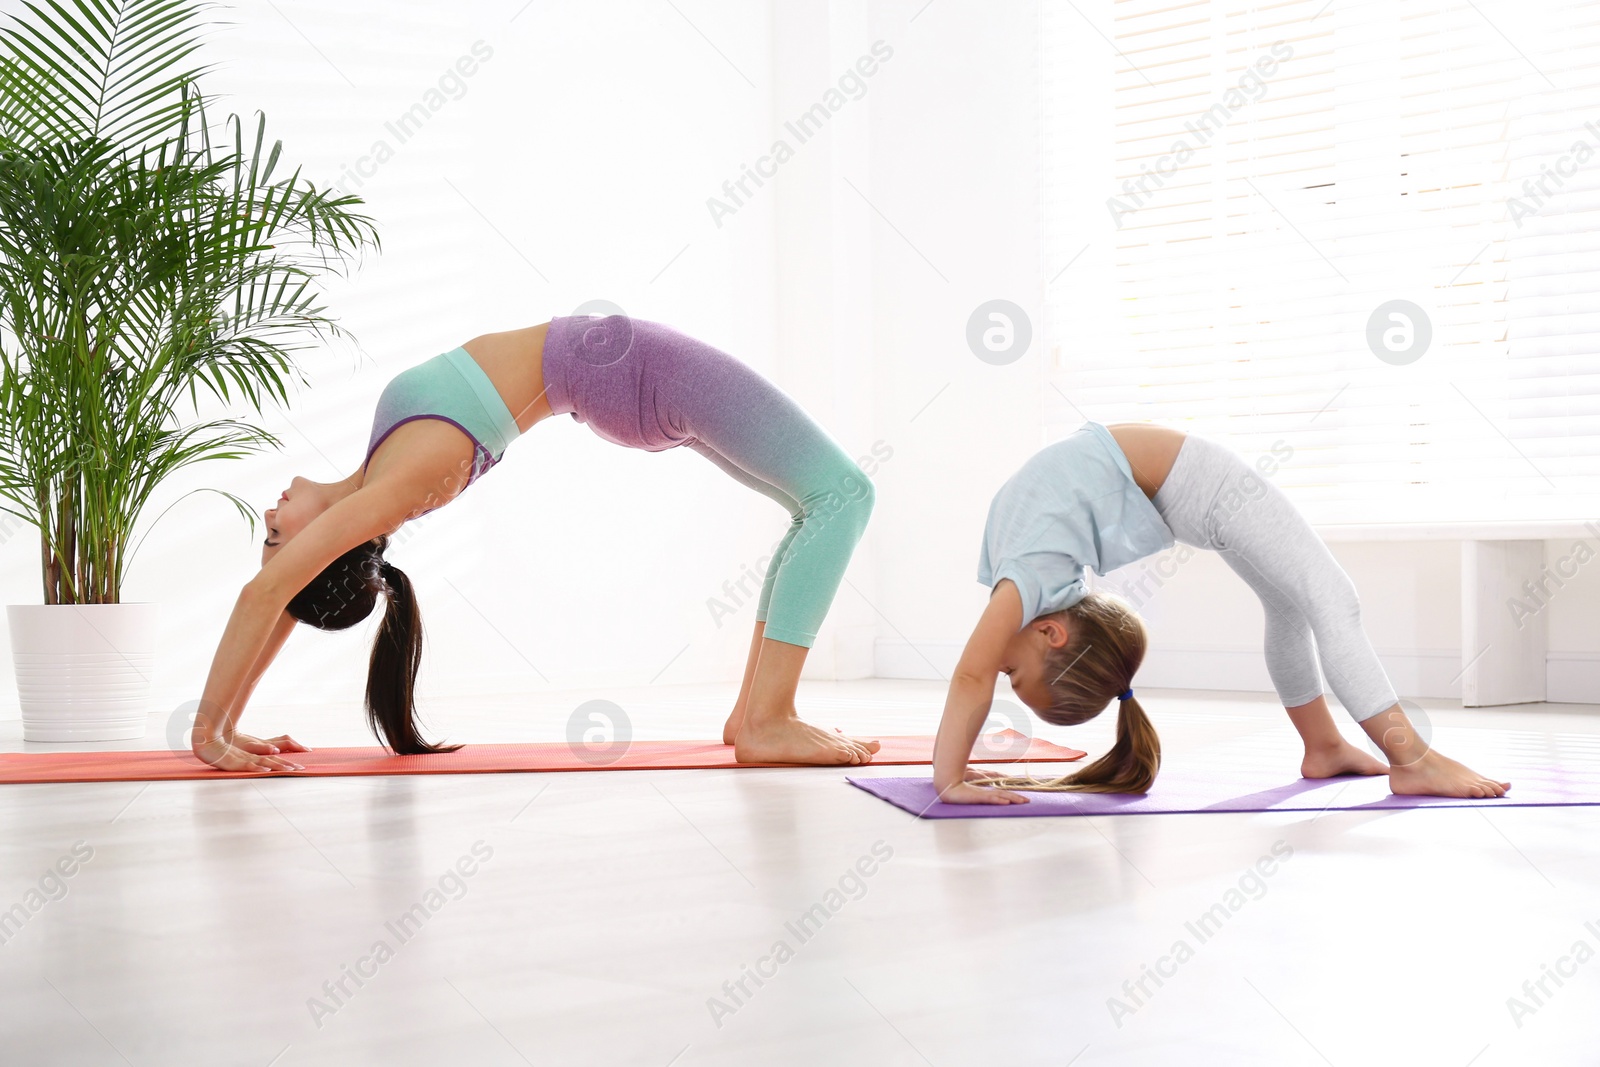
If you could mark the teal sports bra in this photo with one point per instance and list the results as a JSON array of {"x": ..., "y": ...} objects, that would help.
[{"x": 452, "y": 388}]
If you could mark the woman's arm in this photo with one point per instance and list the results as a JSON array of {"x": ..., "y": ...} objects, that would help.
[
  {"x": 967, "y": 703},
  {"x": 283, "y": 742},
  {"x": 258, "y": 616},
  {"x": 280, "y": 633}
]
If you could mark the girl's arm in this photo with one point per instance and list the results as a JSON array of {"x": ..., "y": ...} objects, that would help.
[
  {"x": 967, "y": 704},
  {"x": 258, "y": 613}
]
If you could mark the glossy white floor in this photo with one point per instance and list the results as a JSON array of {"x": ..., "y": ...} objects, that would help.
[{"x": 610, "y": 917}]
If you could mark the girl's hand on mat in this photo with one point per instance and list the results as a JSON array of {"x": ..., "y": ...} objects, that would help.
[
  {"x": 222, "y": 755},
  {"x": 969, "y": 793}
]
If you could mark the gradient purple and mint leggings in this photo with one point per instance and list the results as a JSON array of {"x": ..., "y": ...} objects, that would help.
[{"x": 645, "y": 385}]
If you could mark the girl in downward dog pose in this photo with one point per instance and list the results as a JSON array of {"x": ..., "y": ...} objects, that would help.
[
  {"x": 440, "y": 425},
  {"x": 1105, "y": 497}
]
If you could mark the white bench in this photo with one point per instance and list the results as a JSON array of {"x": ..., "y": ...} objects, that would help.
[{"x": 1502, "y": 655}]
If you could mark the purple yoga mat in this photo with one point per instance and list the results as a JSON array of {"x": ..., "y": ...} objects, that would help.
[{"x": 1209, "y": 784}]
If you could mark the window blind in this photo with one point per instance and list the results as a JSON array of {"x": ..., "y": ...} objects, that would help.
[{"x": 1232, "y": 191}]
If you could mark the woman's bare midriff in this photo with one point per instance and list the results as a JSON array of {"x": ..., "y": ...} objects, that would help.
[
  {"x": 514, "y": 362},
  {"x": 1151, "y": 451}
]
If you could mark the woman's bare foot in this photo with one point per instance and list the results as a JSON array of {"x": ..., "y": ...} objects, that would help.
[
  {"x": 789, "y": 740},
  {"x": 730, "y": 729},
  {"x": 1343, "y": 758},
  {"x": 1439, "y": 776}
]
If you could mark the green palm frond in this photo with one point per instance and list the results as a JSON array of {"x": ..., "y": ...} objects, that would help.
[
  {"x": 145, "y": 259},
  {"x": 110, "y": 71}
]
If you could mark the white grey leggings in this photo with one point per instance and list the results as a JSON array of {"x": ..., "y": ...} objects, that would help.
[{"x": 1213, "y": 499}]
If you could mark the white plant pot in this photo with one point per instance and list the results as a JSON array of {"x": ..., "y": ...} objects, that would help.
[{"x": 83, "y": 670}]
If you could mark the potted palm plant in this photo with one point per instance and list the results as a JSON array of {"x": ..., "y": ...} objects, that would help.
[{"x": 143, "y": 268}]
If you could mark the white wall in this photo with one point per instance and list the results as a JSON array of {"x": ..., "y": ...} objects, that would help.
[
  {"x": 1574, "y": 621},
  {"x": 956, "y": 178}
]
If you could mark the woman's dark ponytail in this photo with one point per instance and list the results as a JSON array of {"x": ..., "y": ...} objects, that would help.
[
  {"x": 344, "y": 594},
  {"x": 392, "y": 674}
]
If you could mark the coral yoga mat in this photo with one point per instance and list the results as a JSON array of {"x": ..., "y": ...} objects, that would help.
[{"x": 164, "y": 765}]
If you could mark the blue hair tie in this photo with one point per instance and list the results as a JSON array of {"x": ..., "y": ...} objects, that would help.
[{"x": 1126, "y": 694}]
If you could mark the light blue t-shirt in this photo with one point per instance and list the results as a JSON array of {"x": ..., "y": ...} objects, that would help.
[{"x": 1074, "y": 504}]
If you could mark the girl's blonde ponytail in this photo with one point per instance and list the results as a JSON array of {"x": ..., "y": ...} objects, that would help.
[{"x": 1104, "y": 650}]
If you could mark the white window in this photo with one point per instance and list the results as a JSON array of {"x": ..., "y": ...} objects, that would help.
[{"x": 1233, "y": 191}]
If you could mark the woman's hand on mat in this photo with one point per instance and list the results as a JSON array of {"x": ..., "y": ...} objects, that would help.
[
  {"x": 969, "y": 792},
  {"x": 269, "y": 747},
  {"x": 220, "y": 753}
]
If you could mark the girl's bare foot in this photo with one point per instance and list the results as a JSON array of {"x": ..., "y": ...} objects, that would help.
[
  {"x": 789, "y": 740},
  {"x": 1343, "y": 758},
  {"x": 1439, "y": 776}
]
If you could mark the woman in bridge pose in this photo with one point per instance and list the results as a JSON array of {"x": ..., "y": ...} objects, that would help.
[{"x": 441, "y": 424}]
